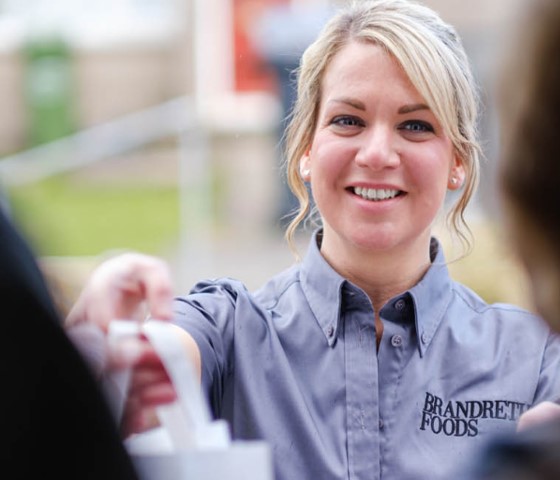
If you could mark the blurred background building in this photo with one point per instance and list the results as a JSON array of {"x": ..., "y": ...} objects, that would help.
[{"x": 69, "y": 67}]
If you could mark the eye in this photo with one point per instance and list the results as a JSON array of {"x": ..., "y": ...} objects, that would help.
[
  {"x": 416, "y": 126},
  {"x": 347, "y": 121}
]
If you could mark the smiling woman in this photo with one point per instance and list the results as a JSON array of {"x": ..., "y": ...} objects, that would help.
[
  {"x": 375, "y": 135},
  {"x": 354, "y": 362},
  {"x": 439, "y": 74}
]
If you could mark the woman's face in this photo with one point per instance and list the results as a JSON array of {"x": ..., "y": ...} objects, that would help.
[{"x": 379, "y": 163}]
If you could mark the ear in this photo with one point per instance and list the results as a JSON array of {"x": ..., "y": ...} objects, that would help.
[
  {"x": 305, "y": 166},
  {"x": 457, "y": 175}
]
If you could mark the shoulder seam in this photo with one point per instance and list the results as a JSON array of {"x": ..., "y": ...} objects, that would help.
[{"x": 489, "y": 306}]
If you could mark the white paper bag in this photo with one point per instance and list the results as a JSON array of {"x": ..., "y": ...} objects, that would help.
[
  {"x": 189, "y": 444},
  {"x": 240, "y": 461}
]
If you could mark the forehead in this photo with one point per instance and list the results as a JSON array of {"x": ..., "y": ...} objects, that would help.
[{"x": 365, "y": 68}]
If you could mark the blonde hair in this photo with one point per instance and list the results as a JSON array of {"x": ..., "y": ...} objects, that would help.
[{"x": 431, "y": 54}]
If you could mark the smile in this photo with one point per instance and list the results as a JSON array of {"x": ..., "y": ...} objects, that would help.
[{"x": 376, "y": 194}]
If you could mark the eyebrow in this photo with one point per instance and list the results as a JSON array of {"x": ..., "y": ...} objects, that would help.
[
  {"x": 413, "y": 108},
  {"x": 350, "y": 101},
  {"x": 361, "y": 106}
]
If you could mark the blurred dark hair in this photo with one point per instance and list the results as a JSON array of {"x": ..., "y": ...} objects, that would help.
[{"x": 530, "y": 111}]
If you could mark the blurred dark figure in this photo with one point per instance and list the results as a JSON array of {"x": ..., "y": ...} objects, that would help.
[
  {"x": 281, "y": 34},
  {"x": 529, "y": 178},
  {"x": 55, "y": 422},
  {"x": 532, "y": 455}
]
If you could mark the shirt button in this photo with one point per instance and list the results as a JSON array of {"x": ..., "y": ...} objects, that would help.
[
  {"x": 400, "y": 304},
  {"x": 396, "y": 340},
  {"x": 330, "y": 331},
  {"x": 424, "y": 338}
]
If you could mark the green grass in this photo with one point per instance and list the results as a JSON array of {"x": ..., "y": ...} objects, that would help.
[{"x": 65, "y": 218}]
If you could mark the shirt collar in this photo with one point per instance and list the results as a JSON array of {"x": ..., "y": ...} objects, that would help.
[
  {"x": 431, "y": 297},
  {"x": 323, "y": 288}
]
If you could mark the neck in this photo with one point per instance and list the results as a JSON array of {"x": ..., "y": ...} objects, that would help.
[{"x": 381, "y": 274}]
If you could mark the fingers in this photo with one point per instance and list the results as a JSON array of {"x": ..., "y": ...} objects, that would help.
[
  {"x": 128, "y": 353},
  {"x": 541, "y": 413},
  {"x": 150, "y": 386},
  {"x": 138, "y": 276},
  {"x": 159, "y": 296},
  {"x": 129, "y": 286},
  {"x": 130, "y": 282},
  {"x": 137, "y": 419}
]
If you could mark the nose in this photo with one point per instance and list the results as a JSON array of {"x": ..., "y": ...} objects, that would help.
[{"x": 377, "y": 149}]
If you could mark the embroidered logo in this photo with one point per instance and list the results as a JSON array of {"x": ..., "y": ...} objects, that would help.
[{"x": 457, "y": 418}]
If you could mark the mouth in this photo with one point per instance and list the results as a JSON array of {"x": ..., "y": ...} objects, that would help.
[{"x": 376, "y": 194}]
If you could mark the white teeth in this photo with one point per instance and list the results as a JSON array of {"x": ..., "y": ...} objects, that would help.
[{"x": 375, "y": 194}]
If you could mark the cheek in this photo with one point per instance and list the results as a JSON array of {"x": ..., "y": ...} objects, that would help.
[
  {"x": 437, "y": 167},
  {"x": 328, "y": 156},
  {"x": 430, "y": 175}
]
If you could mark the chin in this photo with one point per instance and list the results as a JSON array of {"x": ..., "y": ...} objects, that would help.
[
  {"x": 375, "y": 241},
  {"x": 386, "y": 237}
]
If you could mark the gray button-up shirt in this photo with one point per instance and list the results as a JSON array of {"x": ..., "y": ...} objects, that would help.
[{"x": 296, "y": 364}]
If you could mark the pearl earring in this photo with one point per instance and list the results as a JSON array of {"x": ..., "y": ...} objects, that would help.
[{"x": 453, "y": 181}]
